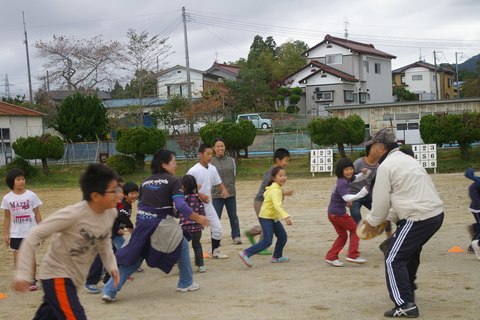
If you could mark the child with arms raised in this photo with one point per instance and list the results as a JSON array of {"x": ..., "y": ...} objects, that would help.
[{"x": 337, "y": 212}]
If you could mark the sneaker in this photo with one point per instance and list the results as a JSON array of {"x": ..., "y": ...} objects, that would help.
[
  {"x": 33, "y": 286},
  {"x": 217, "y": 254},
  {"x": 250, "y": 238},
  {"x": 140, "y": 270},
  {"x": 107, "y": 298},
  {"x": 192, "y": 287},
  {"x": 265, "y": 253},
  {"x": 470, "y": 250},
  {"x": 407, "y": 310},
  {"x": 92, "y": 288},
  {"x": 245, "y": 258},
  {"x": 237, "y": 240},
  {"x": 476, "y": 248},
  {"x": 357, "y": 260},
  {"x": 202, "y": 269},
  {"x": 130, "y": 279},
  {"x": 335, "y": 263},
  {"x": 281, "y": 259}
]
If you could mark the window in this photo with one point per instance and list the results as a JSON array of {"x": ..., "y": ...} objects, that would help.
[
  {"x": 348, "y": 95},
  {"x": 402, "y": 126},
  {"x": 5, "y": 134},
  {"x": 417, "y": 77},
  {"x": 402, "y": 79},
  {"x": 378, "y": 68},
  {"x": 334, "y": 58},
  {"x": 407, "y": 126},
  {"x": 450, "y": 82},
  {"x": 324, "y": 96},
  {"x": 365, "y": 65},
  {"x": 363, "y": 97}
]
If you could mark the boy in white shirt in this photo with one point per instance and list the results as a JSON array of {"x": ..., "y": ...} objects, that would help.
[{"x": 207, "y": 176}]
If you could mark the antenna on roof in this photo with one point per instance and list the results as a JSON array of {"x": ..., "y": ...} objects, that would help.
[
  {"x": 216, "y": 55},
  {"x": 346, "y": 28},
  {"x": 420, "y": 59}
]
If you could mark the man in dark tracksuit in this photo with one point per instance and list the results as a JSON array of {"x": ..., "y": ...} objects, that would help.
[{"x": 405, "y": 194}]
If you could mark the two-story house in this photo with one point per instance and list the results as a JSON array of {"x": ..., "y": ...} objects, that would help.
[
  {"x": 426, "y": 81},
  {"x": 173, "y": 81},
  {"x": 342, "y": 72}
]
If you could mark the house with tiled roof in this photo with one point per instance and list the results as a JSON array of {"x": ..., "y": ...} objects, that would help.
[
  {"x": 17, "y": 122},
  {"x": 224, "y": 71},
  {"x": 342, "y": 72},
  {"x": 427, "y": 81}
]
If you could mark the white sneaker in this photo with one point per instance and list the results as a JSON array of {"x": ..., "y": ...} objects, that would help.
[
  {"x": 202, "y": 269},
  {"x": 192, "y": 287},
  {"x": 217, "y": 254},
  {"x": 237, "y": 241},
  {"x": 107, "y": 298},
  {"x": 357, "y": 260},
  {"x": 335, "y": 263},
  {"x": 476, "y": 248}
]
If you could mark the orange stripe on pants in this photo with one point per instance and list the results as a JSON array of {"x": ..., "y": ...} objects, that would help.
[{"x": 63, "y": 298}]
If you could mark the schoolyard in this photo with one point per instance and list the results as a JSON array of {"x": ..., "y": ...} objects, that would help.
[{"x": 304, "y": 288}]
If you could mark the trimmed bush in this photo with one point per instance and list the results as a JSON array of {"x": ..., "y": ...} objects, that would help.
[
  {"x": 122, "y": 164},
  {"x": 24, "y": 165}
]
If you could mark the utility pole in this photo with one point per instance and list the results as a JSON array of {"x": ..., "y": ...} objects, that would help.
[
  {"x": 456, "y": 73},
  {"x": 28, "y": 60},
  {"x": 436, "y": 75},
  {"x": 187, "y": 62}
]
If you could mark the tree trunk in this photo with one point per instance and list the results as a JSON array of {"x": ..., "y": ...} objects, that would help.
[
  {"x": 46, "y": 171},
  {"x": 341, "y": 150},
  {"x": 140, "y": 160}
]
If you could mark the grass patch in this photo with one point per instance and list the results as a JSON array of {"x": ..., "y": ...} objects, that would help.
[{"x": 63, "y": 176}]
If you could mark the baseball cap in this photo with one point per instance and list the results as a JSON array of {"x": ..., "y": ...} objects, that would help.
[{"x": 384, "y": 135}]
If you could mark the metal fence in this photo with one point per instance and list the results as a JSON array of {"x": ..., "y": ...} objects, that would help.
[{"x": 90, "y": 152}]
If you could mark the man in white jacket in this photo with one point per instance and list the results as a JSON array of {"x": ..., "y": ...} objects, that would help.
[{"x": 402, "y": 193}]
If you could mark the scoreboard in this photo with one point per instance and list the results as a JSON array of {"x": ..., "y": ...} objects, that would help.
[
  {"x": 321, "y": 160},
  {"x": 426, "y": 154}
]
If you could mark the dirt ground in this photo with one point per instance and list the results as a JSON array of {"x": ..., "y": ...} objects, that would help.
[{"x": 304, "y": 288}]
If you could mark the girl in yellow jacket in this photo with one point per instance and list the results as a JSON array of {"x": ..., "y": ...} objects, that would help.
[{"x": 269, "y": 216}]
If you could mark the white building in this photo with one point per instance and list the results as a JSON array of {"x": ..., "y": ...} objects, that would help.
[
  {"x": 342, "y": 72},
  {"x": 17, "y": 122},
  {"x": 173, "y": 81}
]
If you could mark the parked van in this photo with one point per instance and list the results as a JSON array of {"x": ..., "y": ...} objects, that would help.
[{"x": 258, "y": 121}]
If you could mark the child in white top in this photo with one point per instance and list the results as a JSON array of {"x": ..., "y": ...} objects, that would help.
[
  {"x": 21, "y": 214},
  {"x": 207, "y": 176}
]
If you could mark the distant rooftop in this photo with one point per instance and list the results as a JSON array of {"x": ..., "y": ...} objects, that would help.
[{"x": 8, "y": 109}]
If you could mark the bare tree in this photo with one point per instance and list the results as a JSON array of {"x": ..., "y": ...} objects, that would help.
[
  {"x": 79, "y": 64},
  {"x": 145, "y": 57}
]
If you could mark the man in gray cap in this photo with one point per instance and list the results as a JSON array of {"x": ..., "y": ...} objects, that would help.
[{"x": 405, "y": 194}]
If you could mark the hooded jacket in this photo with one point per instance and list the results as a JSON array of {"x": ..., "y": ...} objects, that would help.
[{"x": 272, "y": 205}]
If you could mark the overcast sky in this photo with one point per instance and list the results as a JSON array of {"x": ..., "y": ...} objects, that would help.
[{"x": 224, "y": 29}]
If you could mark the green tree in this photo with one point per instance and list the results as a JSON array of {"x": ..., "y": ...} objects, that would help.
[
  {"x": 289, "y": 58},
  {"x": 140, "y": 141},
  {"x": 18, "y": 100},
  {"x": 82, "y": 118},
  {"x": 237, "y": 136},
  {"x": 41, "y": 147},
  {"x": 328, "y": 131},
  {"x": 471, "y": 86},
  {"x": 171, "y": 112},
  {"x": 251, "y": 92},
  {"x": 447, "y": 128},
  {"x": 403, "y": 94}
]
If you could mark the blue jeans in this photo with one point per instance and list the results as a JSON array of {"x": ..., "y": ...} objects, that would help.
[
  {"x": 231, "y": 205},
  {"x": 269, "y": 228},
  {"x": 184, "y": 266},
  {"x": 118, "y": 241},
  {"x": 357, "y": 205}
]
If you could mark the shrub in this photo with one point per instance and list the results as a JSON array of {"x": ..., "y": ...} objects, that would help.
[
  {"x": 293, "y": 109},
  {"x": 228, "y": 120},
  {"x": 24, "y": 165},
  {"x": 122, "y": 164}
]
